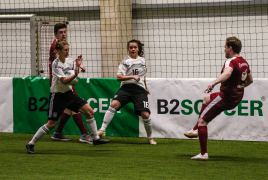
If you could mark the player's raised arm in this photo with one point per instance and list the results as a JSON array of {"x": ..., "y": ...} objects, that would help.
[
  {"x": 223, "y": 77},
  {"x": 121, "y": 77}
]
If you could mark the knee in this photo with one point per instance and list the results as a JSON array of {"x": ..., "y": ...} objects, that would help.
[
  {"x": 145, "y": 115},
  {"x": 115, "y": 104},
  {"x": 68, "y": 111},
  {"x": 89, "y": 114},
  {"x": 206, "y": 99},
  {"x": 112, "y": 105}
]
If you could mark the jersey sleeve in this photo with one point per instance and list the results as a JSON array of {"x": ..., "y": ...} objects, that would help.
[
  {"x": 122, "y": 69},
  {"x": 143, "y": 60},
  {"x": 229, "y": 63}
]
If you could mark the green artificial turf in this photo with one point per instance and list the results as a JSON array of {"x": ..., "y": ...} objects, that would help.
[{"x": 130, "y": 158}]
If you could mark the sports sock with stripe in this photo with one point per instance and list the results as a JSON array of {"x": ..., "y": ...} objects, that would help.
[{"x": 39, "y": 134}]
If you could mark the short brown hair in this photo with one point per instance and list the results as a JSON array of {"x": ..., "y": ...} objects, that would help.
[
  {"x": 235, "y": 43},
  {"x": 59, "y": 26},
  {"x": 59, "y": 45}
]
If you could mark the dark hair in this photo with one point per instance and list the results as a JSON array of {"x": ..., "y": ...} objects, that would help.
[
  {"x": 140, "y": 46},
  {"x": 59, "y": 26},
  {"x": 59, "y": 45},
  {"x": 235, "y": 43}
]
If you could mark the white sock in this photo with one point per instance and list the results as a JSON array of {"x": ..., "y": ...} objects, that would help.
[
  {"x": 92, "y": 126},
  {"x": 148, "y": 127},
  {"x": 107, "y": 118},
  {"x": 39, "y": 134}
]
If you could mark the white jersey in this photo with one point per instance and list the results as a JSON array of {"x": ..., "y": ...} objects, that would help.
[
  {"x": 133, "y": 67},
  {"x": 58, "y": 71}
]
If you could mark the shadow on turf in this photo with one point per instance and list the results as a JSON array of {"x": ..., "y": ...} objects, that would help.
[
  {"x": 228, "y": 158},
  {"x": 84, "y": 152}
]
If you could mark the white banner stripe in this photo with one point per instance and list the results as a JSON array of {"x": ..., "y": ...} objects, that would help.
[
  {"x": 211, "y": 104},
  {"x": 6, "y": 104}
]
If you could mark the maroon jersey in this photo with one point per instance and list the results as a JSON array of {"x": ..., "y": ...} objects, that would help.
[
  {"x": 52, "y": 57},
  {"x": 240, "y": 71}
]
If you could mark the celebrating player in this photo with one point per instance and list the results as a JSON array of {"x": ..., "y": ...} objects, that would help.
[
  {"x": 62, "y": 97},
  {"x": 60, "y": 32},
  {"x": 235, "y": 76},
  {"x": 133, "y": 89}
]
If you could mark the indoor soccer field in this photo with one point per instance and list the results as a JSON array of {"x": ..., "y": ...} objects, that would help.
[
  {"x": 184, "y": 50},
  {"x": 130, "y": 158}
]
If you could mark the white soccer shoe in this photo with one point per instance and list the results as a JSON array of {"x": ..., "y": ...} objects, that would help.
[
  {"x": 101, "y": 133},
  {"x": 152, "y": 141},
  {"x": 200, "y": 157},
  {"x": 192, "y": 133}
]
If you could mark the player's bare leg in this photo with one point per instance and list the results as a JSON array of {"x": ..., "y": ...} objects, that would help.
[
  {"x": 108, "y": 117},
  {"x": 193, "y": 133}
]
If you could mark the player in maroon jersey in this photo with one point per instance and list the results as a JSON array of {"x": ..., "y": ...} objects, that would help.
[
  {"x": 60, "y": 32},
  {"x": 235, "y": 76}
]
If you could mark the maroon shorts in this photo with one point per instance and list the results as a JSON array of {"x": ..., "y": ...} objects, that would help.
[{"x": 216, "y": 105}]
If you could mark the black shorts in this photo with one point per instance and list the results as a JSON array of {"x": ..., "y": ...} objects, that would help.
[
  {"x": 135, "y": 94},
  {"x": 58, "y": 102}
]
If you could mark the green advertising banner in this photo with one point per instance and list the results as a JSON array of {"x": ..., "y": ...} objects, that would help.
[
  {"x": 98, "y": 92},
  {"x": 30, "y": 103},
  {"x": 31, "y": 99}
]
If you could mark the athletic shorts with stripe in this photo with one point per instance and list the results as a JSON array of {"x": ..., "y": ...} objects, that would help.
[
  {"x": 216, "y": 105},
  {"x": 58, "y": 102},
  {"x": 135, "y": 94}
]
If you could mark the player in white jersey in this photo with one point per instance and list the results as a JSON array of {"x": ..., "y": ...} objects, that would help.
[
  {"x": 62, "y": 97},
  {"x": 60, "y": 32},
  {"x": 133, "y": 89}
]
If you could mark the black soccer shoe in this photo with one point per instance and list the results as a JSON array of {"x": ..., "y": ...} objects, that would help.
[
  {"x": 101, "y": 141},
  {"x": 30, "y": 148}
]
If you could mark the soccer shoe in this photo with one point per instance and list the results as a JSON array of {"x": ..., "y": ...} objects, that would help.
[
  {"x": 101, "y": 141},
  {"x": 192, "y": 133},
  {"x": 30, "y": 148},
  {"x": 86, "y": 138},
  {"x": 101, "y": 133},
  {"x": 200, "y": 157},
  {"x": 59, "y": 137},
  {"x": 152, "y": 141}
]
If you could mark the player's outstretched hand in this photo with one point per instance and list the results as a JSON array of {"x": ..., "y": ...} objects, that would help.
[{"x": 209, "y": 88}]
